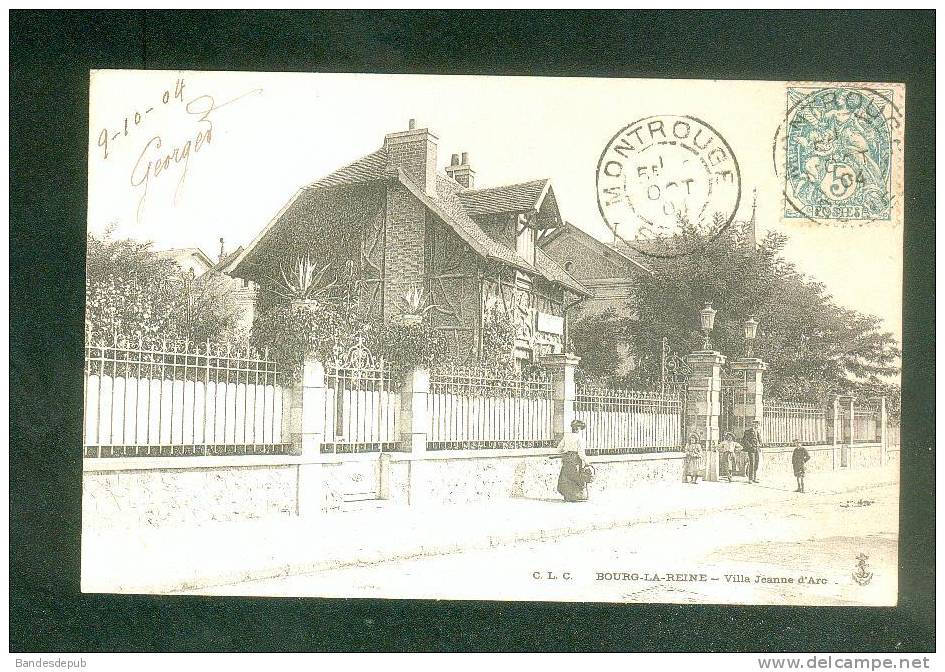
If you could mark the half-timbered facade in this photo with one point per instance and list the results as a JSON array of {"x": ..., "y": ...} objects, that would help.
[{"x": 391, "y": 223}]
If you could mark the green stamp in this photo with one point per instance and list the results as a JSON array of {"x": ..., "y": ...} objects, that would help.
[{"x": 839, "y": 158}]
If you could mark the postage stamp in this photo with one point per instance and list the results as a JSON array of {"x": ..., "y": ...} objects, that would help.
[
  {"x": 842, "y": 147},
  {"x": 666, "y": 172}
]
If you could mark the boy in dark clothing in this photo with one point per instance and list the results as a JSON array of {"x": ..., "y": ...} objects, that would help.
[{"x": 799, "y": 459}]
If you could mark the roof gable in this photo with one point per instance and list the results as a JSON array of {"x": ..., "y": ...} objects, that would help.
[
  {"x": 603, "y": 249},
  {"x": 452, "y": 203},
  {"x": 521, "y": 197}
]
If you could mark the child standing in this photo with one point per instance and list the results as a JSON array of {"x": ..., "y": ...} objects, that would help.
[{"x": 799, "y": 459}]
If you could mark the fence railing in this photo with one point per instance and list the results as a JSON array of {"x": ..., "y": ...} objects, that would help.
[
  {"x": 785, "y": 422},
  {"x": 181, "y": 399},
  {"x": 866, "y": 424},
  {"x": 469, "y": 409},
  {"x": 628, "y": 421},
  {"x": 892, "y": 435},
  {"x": 362, "y": 408}
]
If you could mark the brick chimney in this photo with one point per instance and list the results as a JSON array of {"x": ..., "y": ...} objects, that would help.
[
  {"x": 414, "y": 152},
  {"x": 461, "y": 172}
]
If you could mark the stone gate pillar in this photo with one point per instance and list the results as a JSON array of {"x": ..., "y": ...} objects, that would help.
[
  {"x": 308, "y": 422},
  {"x": 749, "y": 400},
  {"x": 561, "y": 367},
  {"x": 704, "y": 401}
]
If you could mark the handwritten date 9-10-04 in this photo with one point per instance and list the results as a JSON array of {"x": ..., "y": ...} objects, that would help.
[{"x": 107, "y": 137}]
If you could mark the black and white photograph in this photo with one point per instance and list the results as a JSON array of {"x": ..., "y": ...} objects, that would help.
[
  {"x": 355, "y": 336},
  {"x": 472, "y": 331}
]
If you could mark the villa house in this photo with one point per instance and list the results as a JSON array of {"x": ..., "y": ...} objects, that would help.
[{"x": 391, "y": 223}]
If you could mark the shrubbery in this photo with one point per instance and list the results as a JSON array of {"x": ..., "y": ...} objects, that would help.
[{"x": 133, "y": 294}]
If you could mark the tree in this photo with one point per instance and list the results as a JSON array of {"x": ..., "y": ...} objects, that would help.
[
  {"x": 601, "y": 339},
  {"x": 813, "y": 347},
  {"x": 135, "y": 294}
]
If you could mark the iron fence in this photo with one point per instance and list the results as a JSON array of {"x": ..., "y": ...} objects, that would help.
[
  {"x": 786, "y": 422},
  {"x": 866, "y": 424},
  {"x": 472, "y": 409},
  {"x": 362, "y": 408},
  {"x": 629, "y": 421},
  {"x": 181, "y": 399}
]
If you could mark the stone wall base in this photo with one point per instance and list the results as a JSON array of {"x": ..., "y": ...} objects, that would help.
[
  {"x": 158, "y": 497},
  {"x": 175, "y": 495}
]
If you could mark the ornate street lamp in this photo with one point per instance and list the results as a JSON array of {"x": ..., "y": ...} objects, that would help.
[
  {"x": 707, "y": 316},
  {"x": 751, "y": 330}
]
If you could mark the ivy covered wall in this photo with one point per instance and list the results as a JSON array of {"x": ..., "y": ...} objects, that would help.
[{"x": 341, "y": 228}]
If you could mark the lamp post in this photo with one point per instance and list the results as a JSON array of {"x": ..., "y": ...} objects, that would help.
[
  {"x": 707, "y": 317},
  {"x": 751, "y": 330}
]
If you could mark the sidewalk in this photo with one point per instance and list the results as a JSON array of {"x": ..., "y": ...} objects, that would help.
[{"x": 161, "y": 560}]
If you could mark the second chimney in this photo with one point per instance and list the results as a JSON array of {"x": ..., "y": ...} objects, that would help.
[{"x": 460, "y": 171}]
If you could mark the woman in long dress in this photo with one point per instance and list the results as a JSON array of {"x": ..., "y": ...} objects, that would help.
[
  {"x": 694, "y": 461},
  {"x": 572, "y": 452}
]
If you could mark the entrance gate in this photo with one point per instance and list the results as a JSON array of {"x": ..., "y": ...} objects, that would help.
[
  {"x": 734, "y": 393},
  {"x": 674, "y": 379}
]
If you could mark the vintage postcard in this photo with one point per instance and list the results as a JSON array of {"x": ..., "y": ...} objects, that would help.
[{"x": 493, "y": 338}]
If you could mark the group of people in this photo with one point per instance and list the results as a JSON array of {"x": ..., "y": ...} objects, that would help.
[
  {"x": 750, "y": 448},
  {"x": 576, "y": 473}
]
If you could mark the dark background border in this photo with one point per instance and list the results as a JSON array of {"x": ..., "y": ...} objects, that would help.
[{"x": 50, "y": 56}]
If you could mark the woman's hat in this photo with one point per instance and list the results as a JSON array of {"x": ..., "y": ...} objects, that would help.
[{"x": 577, "y": 424}]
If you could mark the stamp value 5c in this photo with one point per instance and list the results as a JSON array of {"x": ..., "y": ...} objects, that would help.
[{"x": 842, "y": 146}]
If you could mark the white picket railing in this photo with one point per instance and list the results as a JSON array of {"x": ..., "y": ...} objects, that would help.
[
  {"x": 362, "y": 409},
  {"x": 784, "y": 423},
  {"x": 180, "y": 399},
  {"x": 629, "y": 421},
  {"x": 470, "y": 409},
  {"x": 866, "y": 424}
]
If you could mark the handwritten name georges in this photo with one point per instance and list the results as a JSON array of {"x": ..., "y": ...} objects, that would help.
[{"x": 158, "y": 155}]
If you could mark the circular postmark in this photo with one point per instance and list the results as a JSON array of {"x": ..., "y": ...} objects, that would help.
[
  {"x": 662, "y": 173},
  {"x": 836, "y": 154}
]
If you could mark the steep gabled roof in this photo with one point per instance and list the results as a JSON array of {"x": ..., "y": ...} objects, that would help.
[
  {"x": 452, "y": 205},
  {"x": 520, "y": 197},
  {"x": 549, "y": 268},
  {"x": 366, "y": 169}
]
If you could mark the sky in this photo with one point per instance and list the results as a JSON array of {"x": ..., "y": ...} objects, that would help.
[{"x": 271, "y": 134}]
